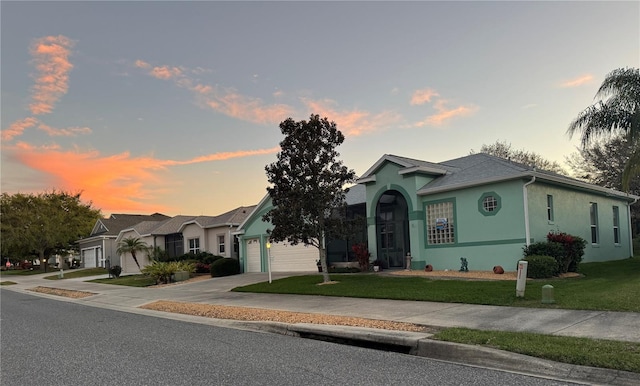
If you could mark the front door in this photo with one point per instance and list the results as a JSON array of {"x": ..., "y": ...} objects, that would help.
[{"x": 392, "y": 227}]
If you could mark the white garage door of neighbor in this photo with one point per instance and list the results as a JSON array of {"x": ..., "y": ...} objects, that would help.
[
  {"x": 293, "y": 258},
  {"x": 253, "y": 255},
  {"x": 90, "y": 258}
]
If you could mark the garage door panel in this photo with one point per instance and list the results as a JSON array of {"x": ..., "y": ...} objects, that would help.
[
  {"x": 253, "y": 255},
  {"x": 293, "y": 258}
]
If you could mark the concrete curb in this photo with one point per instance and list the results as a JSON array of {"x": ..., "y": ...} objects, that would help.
[
  {"x": 420, "y": 344},
  {"x": 504, "y": 360},
  {"x": 412, "y": 343}
]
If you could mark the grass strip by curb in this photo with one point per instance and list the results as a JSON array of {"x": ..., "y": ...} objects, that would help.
[
  {"x": 601, "y": 353},
  {"x": 7, "y": 282}
]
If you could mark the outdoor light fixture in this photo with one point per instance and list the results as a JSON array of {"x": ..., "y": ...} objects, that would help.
[{"x": 269, "y": 260}]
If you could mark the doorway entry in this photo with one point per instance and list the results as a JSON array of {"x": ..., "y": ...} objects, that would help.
[{"x": 392, "y": 229}]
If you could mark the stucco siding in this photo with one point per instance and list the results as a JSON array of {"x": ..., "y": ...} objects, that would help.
[
  {"x": 571, "y": 214},
  {"x": 193, "y": 231}
]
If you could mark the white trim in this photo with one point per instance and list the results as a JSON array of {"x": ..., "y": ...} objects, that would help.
[
  {"x": 540, "y": 177},
  {"x": 422, "y": 169},
  {"x": 525, "y": 199},
  {"x": 255, "y": 210}
]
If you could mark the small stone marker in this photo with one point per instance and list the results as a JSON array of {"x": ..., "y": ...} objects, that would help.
[{"x": 547, "y": 294}]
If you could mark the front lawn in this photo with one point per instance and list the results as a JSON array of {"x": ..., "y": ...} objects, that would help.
[
  {"x": 70, "y": 274},
  {"x": 578, "y": 351},
  {"x": 611, "y": 286},
  {"x": 129, "y": 280},
  {"x": 26, "y": 272}
]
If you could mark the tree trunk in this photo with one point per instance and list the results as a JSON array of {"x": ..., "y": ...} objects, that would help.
[
  {"x": 323, "y": 263},
  {"x": 43, "y": 261},
  {"x": 133, "y": 254}
]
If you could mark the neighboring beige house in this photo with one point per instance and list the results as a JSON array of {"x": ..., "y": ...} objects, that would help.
[
  {"x": 185, "y": 234},
  {"x": 101, "y": 244}
]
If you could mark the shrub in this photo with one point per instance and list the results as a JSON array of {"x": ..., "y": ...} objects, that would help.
[
  {"x": 212, "y": 259},
  {"x": 362, "y": 255},
  {"x": 545, "y": 248},
  {"x": 159, "y": 254},
  {"x": 344, "y": 270},
  {"x": 159, "y": 271},
  {"x": 541, "y": 267},
  {"x": 202, "y": 268},
  {"x": 115, "y": 271},
  {"x": 573, "y": 248},
  {"x": 225, "y": 267},
  {"x": 182, "y": 266}
]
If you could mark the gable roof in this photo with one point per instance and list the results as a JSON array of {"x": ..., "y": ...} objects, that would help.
[
  {"x": 231, "y": 218},
  {"x": 112, "y": 225},
  {"x": 479, "y": 169},
  {"x": 409, "y": 165}
]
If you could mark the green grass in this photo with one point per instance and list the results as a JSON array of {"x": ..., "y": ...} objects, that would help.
[
  {"x": 25, "y": 272},
  {"x": 6, "y": 282},
  {"x": 612, "y": 286},
  {"x": 129, "y": 280},
  {"x": 578, "y": 351},
  {"x": 70, "y": 274}
]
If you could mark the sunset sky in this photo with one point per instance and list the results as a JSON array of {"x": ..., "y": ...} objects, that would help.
[{"x": 174, "y": 107}]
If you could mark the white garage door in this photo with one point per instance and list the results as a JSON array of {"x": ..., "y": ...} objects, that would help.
[
  {"x": 293, "y": 258},
  {"x": 90, "y": 258},
  {"x": 253, "y": 255}
]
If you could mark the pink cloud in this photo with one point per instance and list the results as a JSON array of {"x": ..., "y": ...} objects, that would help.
[
  {"x": 247, "y": 108},
  {"x": 423, "y": 96},
  {"x": 51, "y": 57},
  {"x": 68, "y": 132},
  {"x": 355, "y": 122},
  {"x": 17, "y": 127},
  {"x": 142, "y": 64},
  {"x": 228, "y": 102},
  {"x": 225, "y": 156},
  {"x": 585, "y": 79},
  {"x": 201, "y": 89},
  {"x": 445, "y": 114},
  {"x": 118, "y": 182},
  {"x": 165, "y": 72}
]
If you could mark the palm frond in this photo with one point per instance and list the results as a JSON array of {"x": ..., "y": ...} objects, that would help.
[
  {"x": 631, "y": 169},
  {"x": 621, "y": 81}
]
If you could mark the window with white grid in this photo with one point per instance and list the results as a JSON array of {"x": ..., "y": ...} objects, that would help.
[{"x": 440, "y": 229}]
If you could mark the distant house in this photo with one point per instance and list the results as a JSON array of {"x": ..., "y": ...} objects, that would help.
[
  {"x": 185, "y": 234},
  {"x": 480, "y": 207},
  {"x": 177, "y": 235},
  {"x": 101, "y": 243}
]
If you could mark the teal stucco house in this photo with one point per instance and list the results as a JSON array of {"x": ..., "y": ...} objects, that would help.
[{"x": 480, "y": 207}]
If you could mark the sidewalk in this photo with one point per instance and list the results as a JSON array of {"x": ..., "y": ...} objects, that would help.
[{"x": 622, "y": 326}]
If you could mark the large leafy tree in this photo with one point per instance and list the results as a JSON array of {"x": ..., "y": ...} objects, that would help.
[
  {"x": 133, "y": 245},
  {"x": 529, "y": 158},
  {"x": 307, "y": 185},
  {"x": 44, "y": 223},
  {"x": 616, "y": 112},
  {"x": 602, "y": 163}
]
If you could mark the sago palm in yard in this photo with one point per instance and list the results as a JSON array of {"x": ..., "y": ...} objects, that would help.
[
  {"x": 616, "y": 112},
  {"x": 132, "y": 245}
]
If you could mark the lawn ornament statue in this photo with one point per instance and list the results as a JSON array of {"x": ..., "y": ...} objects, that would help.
[{"x": 463, "y": 265}]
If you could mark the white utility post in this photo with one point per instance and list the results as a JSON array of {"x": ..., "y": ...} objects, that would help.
[{"x": 522, "y": 278}]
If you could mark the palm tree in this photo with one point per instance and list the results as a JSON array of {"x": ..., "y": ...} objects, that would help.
[
  {"x": 616, "y": 112},
  {"x": 132, "y": 245}
]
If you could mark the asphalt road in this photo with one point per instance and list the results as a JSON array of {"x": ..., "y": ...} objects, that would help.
[{"x": 50, "y": 342}]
